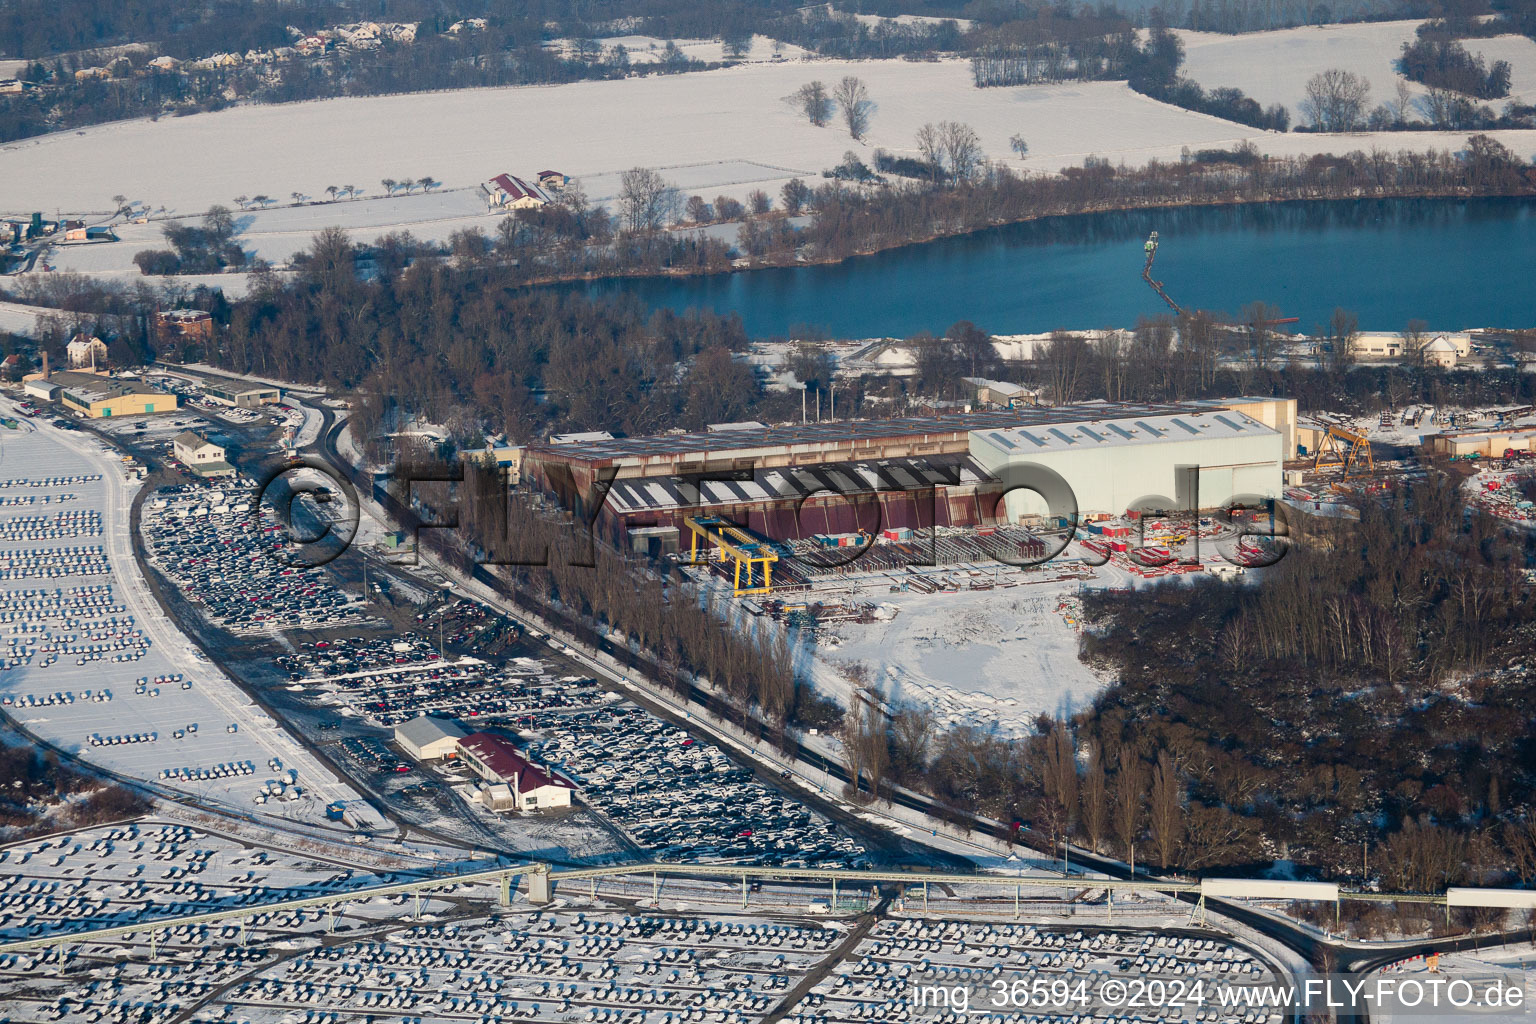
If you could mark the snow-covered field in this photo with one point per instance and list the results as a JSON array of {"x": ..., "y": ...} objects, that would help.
[
  {"x": 1273, "y": 67},
  {"x": 976, "y": 656},
  {"x": 585, "y": 129},
  {"x": 727, "y": 131},
  {"x": 212, "y": 704},
  {"x": 987, "y": 657}
]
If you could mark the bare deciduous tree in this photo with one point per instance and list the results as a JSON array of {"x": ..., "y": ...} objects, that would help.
[
  {"x": 1110, "y": 350},
  {"x": 1336, "y": 100},
  {"x": 1343, "y": 330},
  {"x": 962, "y": 149},
  {"x": 912, "y": 731},
  {"x": 1415, "y": 337},
  {"x": 1066, "y": 358},
  {"x": 1129, "y": 799},
  {"x": 1400, "y": 106},
  {"x": 1259, "y": 318},
  {"x": 931, "y": 147},
  {"x": 1094, "y": 799},
  {"x": 1167, "y": 809},
  {"x": 866, "y": 747},
  {"x": 646, "y": 200},
  {"x": 813, "y": 101},
  {"x": 852, "y": 97}
]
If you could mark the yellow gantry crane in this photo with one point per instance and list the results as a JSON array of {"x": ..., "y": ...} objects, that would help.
[
  {"x": 732, "y": 541},
  {"x": 1344, "y": 448}
]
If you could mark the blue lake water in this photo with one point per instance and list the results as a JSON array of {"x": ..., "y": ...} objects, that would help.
[{"x": 1453, "y": 263}]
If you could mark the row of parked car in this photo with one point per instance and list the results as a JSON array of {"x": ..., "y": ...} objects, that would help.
[
  {"x": 72, "y": 524},
  {"x": 19, "y": 500},
  {"x": 50, "y": 481},
  {"x": 54, "y": 563},
  {"x": 234, "y": 568}
]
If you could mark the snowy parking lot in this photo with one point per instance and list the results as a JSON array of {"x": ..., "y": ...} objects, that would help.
[
  {"x": 619, "y": 951},
  {"x": 90, "y": 662},
  {"x": 235, "y": 563},
  {"x": 674, "y": 795},
  {"x": 112, "y": 875},
  {"x": 901, "y": 967}
]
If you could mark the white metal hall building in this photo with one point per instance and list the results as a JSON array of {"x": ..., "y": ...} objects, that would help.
[
  {"x": 429, "y": 739},
  {"x": 1112, "y": 464}
]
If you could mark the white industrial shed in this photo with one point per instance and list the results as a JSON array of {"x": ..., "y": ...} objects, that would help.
[
  {"x": 41, "y": 388},
  {"x": 1112, "y": 464},
  {"x": 428, "y": 739}
]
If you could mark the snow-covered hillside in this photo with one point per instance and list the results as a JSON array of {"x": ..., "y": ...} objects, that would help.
[
  {"x": 728, "y": 131},
  {"x": 1273, "y": 67}
]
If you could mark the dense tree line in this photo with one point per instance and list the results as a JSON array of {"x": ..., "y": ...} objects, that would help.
[
  {"x": 1446, "y": 64},
  {"x": 1363, "y": 694},
  {"x": 464, "y": 346},
  {"x": 44, "y": 795}
]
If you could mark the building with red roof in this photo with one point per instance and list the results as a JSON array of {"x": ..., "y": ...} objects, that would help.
[
  {"x": 498, "y": 761},
  {"x": 513, "y": 193}
]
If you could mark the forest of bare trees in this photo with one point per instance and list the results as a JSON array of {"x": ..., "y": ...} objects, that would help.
[
  {"x": 1337, "y": 100},
  {"x": 1351, "y": 714}
]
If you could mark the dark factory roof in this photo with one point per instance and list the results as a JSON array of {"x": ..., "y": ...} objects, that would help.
[
  {"x": 844, "y": 432},
  {"x": 661, "y": 493}
]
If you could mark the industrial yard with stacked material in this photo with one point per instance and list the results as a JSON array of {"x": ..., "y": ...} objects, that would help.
[{"x": 792, "y": 482}]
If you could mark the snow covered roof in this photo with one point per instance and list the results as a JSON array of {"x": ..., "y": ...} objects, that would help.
[
  {"x": 1093, "y": 434},
  {"x": 192, "y": 440},
  {"x": 842, "y": 434},
  {"x": 1441, "y": 344},
  {"x": 507, "y": 763},
  {"x": 577, "y": 438},
  {"x": 516, "y": 188},
  {"x": 424, "y": 730},
  {"x": 1002, "y": 387}
]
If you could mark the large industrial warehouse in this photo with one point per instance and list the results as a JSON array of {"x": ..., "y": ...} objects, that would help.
[
  {"x": 1113, "y": 465},
  {"x": 793, "y": 482}
]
